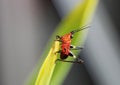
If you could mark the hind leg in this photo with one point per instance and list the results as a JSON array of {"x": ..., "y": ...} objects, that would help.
[
  {"x": 58, "y": 51},
  {"x": 72, "y": 55},
  {"x": 66, "y": 61},
  {"x": 72, "y": 47},
  {"x": 78, "y": 60}
]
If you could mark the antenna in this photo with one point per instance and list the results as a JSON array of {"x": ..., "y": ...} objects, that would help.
[{"x": 81, "y": 28}]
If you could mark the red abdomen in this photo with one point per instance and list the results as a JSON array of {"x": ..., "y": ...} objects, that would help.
[
  {"x": 64, "y": 51},
  {"x": 65, "y": 48}
]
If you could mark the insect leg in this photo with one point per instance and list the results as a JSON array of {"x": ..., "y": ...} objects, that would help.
[
  {"x": 65, "y": 60},
  {"x": 71, "y": 54},
  {"x": 58, "y": 51},
  {"x": 72, "y": 47},
  {"x": 78, "y": 60},
  {"x": 58, "y": 38}
]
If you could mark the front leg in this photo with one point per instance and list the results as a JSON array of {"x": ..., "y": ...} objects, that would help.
[
  {"x": 72, "y": 47},
  {"x": 58, "y": 38},
  {"x": 58, "y": 51}
]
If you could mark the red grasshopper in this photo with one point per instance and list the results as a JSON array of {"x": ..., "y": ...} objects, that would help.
[{"x": 66, "y": 46}]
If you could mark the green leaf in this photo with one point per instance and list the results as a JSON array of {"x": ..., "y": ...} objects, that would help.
[
  {"x": 48, "y": 66},
  {"x": 49, "y": 73}
]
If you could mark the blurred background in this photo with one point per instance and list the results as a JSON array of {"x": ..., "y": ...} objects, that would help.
[{"x": 26, "y": 26}]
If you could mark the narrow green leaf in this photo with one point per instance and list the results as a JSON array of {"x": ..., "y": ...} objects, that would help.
[{"x": 47, "y": 68}]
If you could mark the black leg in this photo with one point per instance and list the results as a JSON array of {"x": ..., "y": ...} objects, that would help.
[
  {"x": 65, "y": 60},
  {"x": 72, "y": 47},
  {"x": 77, "y": 62},
  {"x": 58, "y": 51},
  {"x": 72, "y": 55},
  {"x": 58, "y": 38}
]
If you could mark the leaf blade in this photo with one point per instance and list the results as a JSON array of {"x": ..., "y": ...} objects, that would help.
[{"x": 47, "y": 68}]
